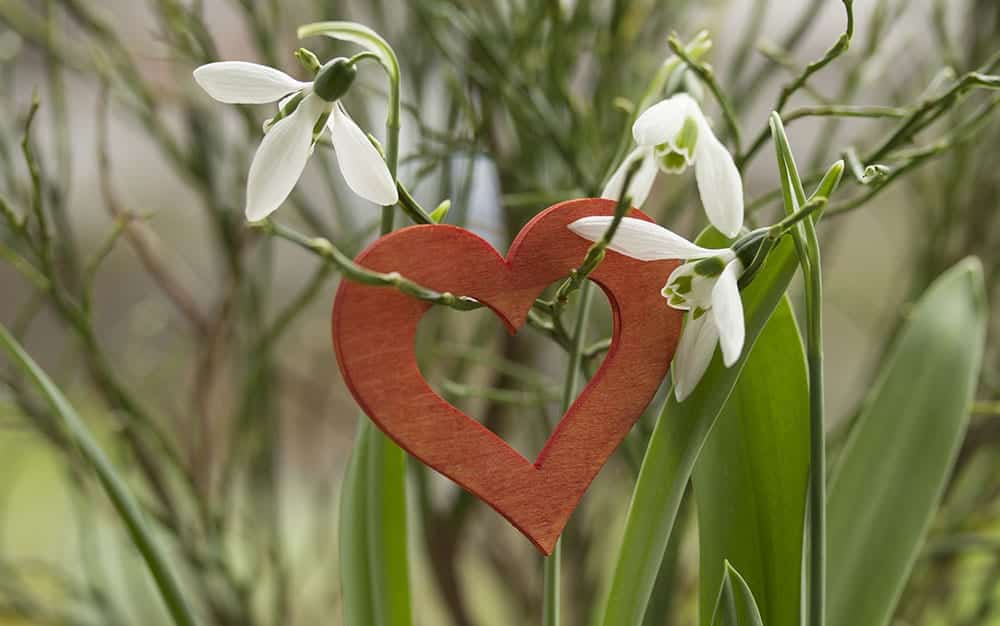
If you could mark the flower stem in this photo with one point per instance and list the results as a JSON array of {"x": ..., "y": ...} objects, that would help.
[{"x": 553, "y": 575}]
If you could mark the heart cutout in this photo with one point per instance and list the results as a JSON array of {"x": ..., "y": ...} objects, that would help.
[{"x": 374, "y": 330}]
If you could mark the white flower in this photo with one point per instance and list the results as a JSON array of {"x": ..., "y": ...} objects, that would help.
[
  {"x": 706, "y": 286},
  {"x": 671, "y": 135},
  {"x": 289, "y": 141}
]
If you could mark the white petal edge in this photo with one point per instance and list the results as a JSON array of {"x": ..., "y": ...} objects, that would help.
[
  {"x": 640, "y": 239},
  {"x": 363, "y": 167},
  {"x": 662, "y": 122},
  {"x": 239, "y": 82},
  {"x": 642, "y": 182},
  {"x": 280, "y": 159},
  {"x": 694, "y": 353},
  {"x": 727, "y": 308},
  {"x": 719, "y": 183}
]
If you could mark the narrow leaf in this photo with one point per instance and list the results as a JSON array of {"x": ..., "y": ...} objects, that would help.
[
  {"x": 750, "y": 479},
  {"x": 388, "y": 562},
  {"x": 889, "y": 481},
  {"x": 355, "y": 578}
]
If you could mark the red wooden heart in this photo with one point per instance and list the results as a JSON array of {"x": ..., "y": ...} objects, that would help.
[{"x": 374, "y": 329}]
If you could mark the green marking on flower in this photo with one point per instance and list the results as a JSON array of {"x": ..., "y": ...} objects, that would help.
[
  {"x": 673, "y": 162},
  {"x": 682, "y": 284},
  {"x": 697, "y": 312},
  {"x": 688, "y": 137},
  {"x": 712, "y": 266}
]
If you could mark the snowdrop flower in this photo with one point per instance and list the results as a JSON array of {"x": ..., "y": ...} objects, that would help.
[
  {"x": 306, "y": 109},
  {"x": 706, "y": 286},
  {"x": 672, "y": 135}
]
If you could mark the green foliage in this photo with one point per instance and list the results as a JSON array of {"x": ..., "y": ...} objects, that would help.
[
  {"x": 750, "y": 478},
  {"x": 889, "y": 481}
]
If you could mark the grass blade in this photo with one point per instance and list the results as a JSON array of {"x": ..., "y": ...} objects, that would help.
[{"x": 355, "y": 578}]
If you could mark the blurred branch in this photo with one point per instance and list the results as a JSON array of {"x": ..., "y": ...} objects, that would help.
[
  {"x": 838, "y": 48},
  {"x": 143, "y": 240}
]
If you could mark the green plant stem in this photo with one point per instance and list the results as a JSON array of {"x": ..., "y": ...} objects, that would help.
[
  {"x": 128, "y": 509},
  {"x": 807, "y": 245},
  {"x": 817, "y": 440},
  {"x": 385, "y": 482},
  {"x": 551, "y": 609},
  {"x": 707, "y": 76},
  {"x": 351, "y": 270},
  {"x": 838, "y": 48}
]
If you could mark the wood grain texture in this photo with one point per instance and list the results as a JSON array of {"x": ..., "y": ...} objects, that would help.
[{"x": 374, "y": 329}]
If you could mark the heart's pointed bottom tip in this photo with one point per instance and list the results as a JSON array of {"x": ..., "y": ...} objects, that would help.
[{"x": 544, "y": 545}]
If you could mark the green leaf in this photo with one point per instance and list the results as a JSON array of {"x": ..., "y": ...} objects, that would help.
[
  {"x": 679, "y": 434},
  {"x": 128, "y": 509},
  {"x": 388, "y": 558},
  {"x": 894, "y": 467},
  {"x": 355, "y": 578},
  {"x": 751, "y": 477},
  {"x": 734, "y": 603}
]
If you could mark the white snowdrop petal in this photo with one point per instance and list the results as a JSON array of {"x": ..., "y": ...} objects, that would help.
[
  {"x": 719, "y": 183},
  {"x": 662, "y": 122},
  {"x": 239, "y": 82},
  {"x": 642, "y": 182},
  {"x": 694, "y": 353},
  {"x": 640, "y": 239},
  {"x": 727, "y": 308},
  {"x": 639, "y": 189},
  {"x": 280, "y": 159},
  {"x": 363, "y": 167}
]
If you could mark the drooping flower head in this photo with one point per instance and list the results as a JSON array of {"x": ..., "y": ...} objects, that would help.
[
  {"x": 671, "y": 136},
  {"x": 305, "y": 111},
  {"x": 706, "y": 286}
]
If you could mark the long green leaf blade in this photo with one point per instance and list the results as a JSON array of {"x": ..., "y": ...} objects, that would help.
[
  {"x": 388, "y": 556},
  {"x": 679, "y": 434},
  {"x": 166, "y": 580},
  {"x": 751, "y": 477},
  {"x": 901, "y": 451},
  {"x": 355, "y": 577}
]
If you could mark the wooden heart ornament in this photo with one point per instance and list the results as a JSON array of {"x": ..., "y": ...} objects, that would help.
[{"x": 374, "y": 329}]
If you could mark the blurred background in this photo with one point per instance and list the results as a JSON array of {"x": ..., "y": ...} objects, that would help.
[{"x": 200, "y": 349}]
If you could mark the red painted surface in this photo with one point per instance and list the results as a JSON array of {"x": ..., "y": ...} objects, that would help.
[{"x": 374, "y": 329}]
